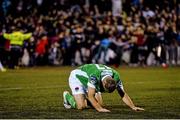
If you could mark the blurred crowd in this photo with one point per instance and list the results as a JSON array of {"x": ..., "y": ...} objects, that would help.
[{"x": 75, "y": 32}]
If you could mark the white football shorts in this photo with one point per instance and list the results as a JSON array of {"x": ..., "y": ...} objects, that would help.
[{"x": 74, "y": 83}]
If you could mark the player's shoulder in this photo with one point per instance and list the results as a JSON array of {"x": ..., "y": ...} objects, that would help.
[
  {"x": 86, "y": 65},
  {"x": 93, "y": 79}
]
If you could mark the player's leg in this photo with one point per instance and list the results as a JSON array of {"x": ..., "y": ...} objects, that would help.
[
  {"x": 74, "y": 101},
  {"x": 80, "y": 101},
  {"x": 69, "y": 101},
  {"x": 77, "y": 99}
]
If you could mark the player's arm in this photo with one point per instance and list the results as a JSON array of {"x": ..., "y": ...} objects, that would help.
[
  {"x": 127, "y": 100},
  {"x": 92, "y": 99},
  {"x": 99, "y": 99},
  {"x": 125, "y": 97}
]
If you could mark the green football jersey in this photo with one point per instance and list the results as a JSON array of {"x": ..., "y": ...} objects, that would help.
[{"x": 95, "y": 74}]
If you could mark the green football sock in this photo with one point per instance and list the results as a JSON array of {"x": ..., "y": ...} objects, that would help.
[{"x": 71, "y": 100}]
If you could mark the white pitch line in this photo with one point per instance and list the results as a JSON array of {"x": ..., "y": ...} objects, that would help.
[{"x": 30, "y": 88}]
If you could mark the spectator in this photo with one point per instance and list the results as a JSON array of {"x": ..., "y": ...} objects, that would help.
[
  {"x": 78, "y": 45},
  {"x": 41, "y": 50},
  {"x": 16, "y": 43},
  {"x": 31, "y": 51},
  {"x": 89, "y": 22},
  {"x": 116, "y": 7}
]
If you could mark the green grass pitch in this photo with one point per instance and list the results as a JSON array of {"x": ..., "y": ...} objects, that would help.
[{"x": 37, "y": 93}]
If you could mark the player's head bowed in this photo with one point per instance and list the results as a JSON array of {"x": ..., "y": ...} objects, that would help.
[{"x": 109, "y": 84}]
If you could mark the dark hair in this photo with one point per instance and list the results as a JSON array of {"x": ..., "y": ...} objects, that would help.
[{"x": 110, "y": 84}]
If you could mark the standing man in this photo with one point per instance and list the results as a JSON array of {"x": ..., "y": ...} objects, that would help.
[
  {"x": 16, "y": 43},
  {"x": 88, "y": 81}
]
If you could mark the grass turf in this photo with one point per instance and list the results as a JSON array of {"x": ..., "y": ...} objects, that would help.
[{"x": 37, "y": 93}]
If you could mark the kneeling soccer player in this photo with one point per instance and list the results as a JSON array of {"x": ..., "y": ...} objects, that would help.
[{"x": 88, "y": 81}]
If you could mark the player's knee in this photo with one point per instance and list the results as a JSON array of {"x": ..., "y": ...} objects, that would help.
[
  {"x": 80, "y": 101},
  {"x": 81, "y": 106}
]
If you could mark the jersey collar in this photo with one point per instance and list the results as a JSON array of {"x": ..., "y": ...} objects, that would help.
[{"x": 105, "y": 77}]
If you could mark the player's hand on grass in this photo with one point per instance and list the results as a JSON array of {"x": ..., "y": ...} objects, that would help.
[
  {"x": 137, "y": 109},
  {"x": 104, "y": 110}
]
